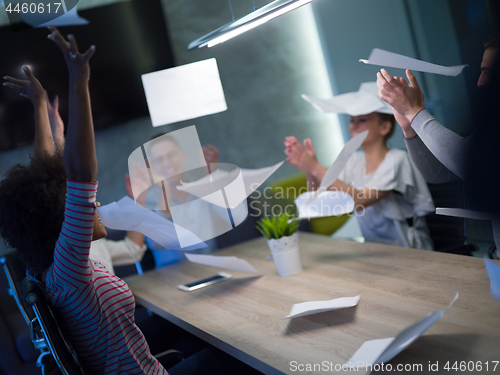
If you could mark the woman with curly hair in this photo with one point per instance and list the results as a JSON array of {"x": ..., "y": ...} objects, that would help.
[{"x": 48, "y": 213}]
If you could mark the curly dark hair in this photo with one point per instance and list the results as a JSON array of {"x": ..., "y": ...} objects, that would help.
[{"x": 32, "y": 200}]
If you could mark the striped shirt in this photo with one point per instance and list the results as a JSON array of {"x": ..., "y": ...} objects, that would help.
[{"x": 94, "y": 308}]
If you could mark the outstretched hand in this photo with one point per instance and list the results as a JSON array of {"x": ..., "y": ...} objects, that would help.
[
  {"x": 406, "y": 99},
  {"x": 301, "y": 156},
  {"x": 30, "y": 88},
  {"x": 79, "y": 69}
]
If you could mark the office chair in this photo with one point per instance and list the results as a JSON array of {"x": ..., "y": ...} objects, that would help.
[
  {"x": 492, "y": 252},
  {"x": 284, "y": 192},
  {"x": 18, "y": 356},
  {"x": 46, "y": 333},
  {"x": 53, "y": 338},
  {"x": 447, "y": 232}
]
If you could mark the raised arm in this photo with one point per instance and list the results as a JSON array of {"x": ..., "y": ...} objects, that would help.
[
  {"x": 211, "y": 156},
  {"x": 304, "y": 158},
  {"x": 33, "y": 90},
  {"x": 56, "y": 122},
  {"x": 79, "y": 154},
  {"x": 447, "y": 147},
  {"x": 362, "y": 197},
  {"x": 136, "y": 237}
]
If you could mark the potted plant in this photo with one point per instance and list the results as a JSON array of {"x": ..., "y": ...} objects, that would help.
[{"x": 283, "y": 240}]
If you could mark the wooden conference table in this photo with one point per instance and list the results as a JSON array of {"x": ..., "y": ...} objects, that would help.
[{"x": 244, "y": 316}]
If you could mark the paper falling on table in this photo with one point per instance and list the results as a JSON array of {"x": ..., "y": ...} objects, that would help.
[
  {"x": 184, "y": 92},
  {"x": 126, "y": 215},
  {"x": 339, "y": 164},
  {"x": 374, "y": 352},
  {"x": 468, "y": 214},
  {"x": 493, "y": 271},
  {"x": 315, "y": 307},
  {"x": 237, "y": 183},
  {"x": 361, "y": 102},
  {"x": 328, "y": 203},
  {"x": 394, "y": 60},
  {"x": 228, "y": 262}
]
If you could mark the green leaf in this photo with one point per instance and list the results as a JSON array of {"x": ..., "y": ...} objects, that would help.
[{"x": 277, "y": 226}]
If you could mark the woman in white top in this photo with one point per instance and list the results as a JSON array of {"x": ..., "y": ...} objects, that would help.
[{"x": 390, "y": 195}]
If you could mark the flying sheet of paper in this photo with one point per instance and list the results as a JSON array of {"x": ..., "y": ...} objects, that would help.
[
  {"x": 374, "y": 352},
  {"x": 126, "y": 215},
  {"x": 394, "y": 60},
  {"x": 238, "y": 183},
  {"x": 184, "y": 92},
  {"x": 468, "y": 214},
  {"x": 328, "y": 203},
  {"x": 361, "y": 102},
  {"x": 315, "y": 307},
  {"x": 339, "y": 164},
  {"x": 230, "y": 263},
  {"x": 71, "y": 18},
  {"x": 493, "y": 271}
]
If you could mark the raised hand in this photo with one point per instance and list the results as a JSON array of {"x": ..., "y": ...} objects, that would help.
[
  {"x": 30, "y": 88},
  {"x": 79, "y": 152},
  {"x": 33, "y": 90},
  {"x": 301, "y": 156},
  {"x": 211, "y": 155},
  {"x": 406, "y": 99},
  {"x": 56, "y": 122},
  {"x": 141, "y": 183},
  {"x": 77, "y": 63}
]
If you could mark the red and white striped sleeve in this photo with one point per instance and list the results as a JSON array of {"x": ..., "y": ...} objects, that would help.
[{"x": 71, "y": 256}]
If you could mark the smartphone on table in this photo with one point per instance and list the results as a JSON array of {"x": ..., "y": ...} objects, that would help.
[{"x": 221, "y": 276}]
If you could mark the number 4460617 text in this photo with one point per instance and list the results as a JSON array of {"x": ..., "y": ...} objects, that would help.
[{"x": 33, "y": 8}]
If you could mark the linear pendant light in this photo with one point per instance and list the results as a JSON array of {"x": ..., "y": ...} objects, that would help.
[{"x": 254, "y": 19}]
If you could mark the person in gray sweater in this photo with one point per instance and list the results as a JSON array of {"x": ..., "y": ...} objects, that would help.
[{"x": 442, "y": 155}]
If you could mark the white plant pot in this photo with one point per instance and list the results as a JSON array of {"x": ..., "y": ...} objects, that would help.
[{"x": 286, "y": 254}]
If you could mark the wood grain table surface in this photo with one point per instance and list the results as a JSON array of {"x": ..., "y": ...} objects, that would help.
[{"x": 244, "y": 316}]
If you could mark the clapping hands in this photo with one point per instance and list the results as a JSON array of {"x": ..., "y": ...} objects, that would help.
[
  {"x": 301, "y": 156},
  {"x": 406, "y": 99}
]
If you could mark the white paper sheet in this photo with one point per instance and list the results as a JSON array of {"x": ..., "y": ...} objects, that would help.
[
  {"x": 230, "y": 263},
  {"x": 315, "y": 307},
  {"x": 328, "y": 203},
  {"x": 339, "y": 164},
  {"x": 468, "y": 214},
  {"x": 493, "y": 271},
  {"x": 184, "y": 92},
  {"x": 361, "y": 102},
  {"x": 237, "y": 183},
  {"x": 394, "y": 60},
  {"x": 126, "y": 215},
  {"x": 374, "y": 352},
  {"x": 71, "y": 18}
]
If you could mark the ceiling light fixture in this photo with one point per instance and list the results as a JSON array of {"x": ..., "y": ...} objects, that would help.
[{"x": 250, "y": 21}]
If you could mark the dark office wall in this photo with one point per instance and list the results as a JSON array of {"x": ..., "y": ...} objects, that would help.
[
  {"x": 264, "y": 71},
  {"x": 421, "y": 29},
  {"x": 263, "y": 74}
]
